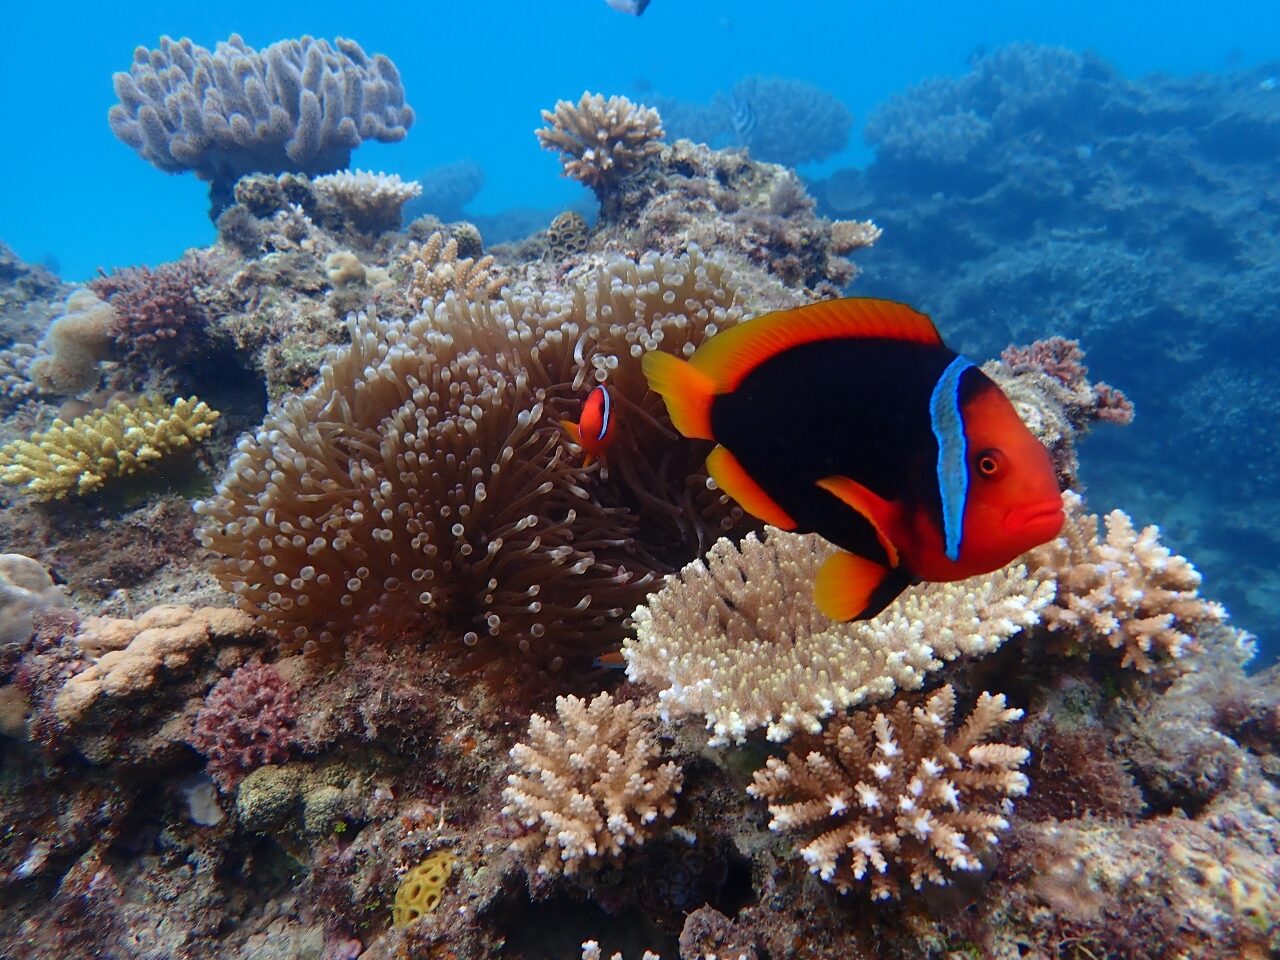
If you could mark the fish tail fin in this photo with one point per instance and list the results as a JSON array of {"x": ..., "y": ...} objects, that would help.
[
  {"x": 850, "y": 587},
  {"x": 686, "y": 390}
]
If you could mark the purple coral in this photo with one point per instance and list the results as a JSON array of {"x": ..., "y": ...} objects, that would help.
[
  {"x": 157, "y": 305},
  {"x": 247, "y": 721}
]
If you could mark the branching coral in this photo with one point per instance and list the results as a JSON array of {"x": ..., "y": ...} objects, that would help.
[
  {"x": 154, "y": 306},
  {"x": 435, "y": 269},
  {"x": 590, "y": 784},
  {"x": 246, "y": 721},
  {"x": 600, "y": 141},
  {"x": 738, "y": 638},
  {"x": 299, "y": 105},
  {"x": 1127, "y": 591},
  {"x": 79, "y": 457},
  {"x": 897, "y": 796},
  {"x": 371, "y": 202}
]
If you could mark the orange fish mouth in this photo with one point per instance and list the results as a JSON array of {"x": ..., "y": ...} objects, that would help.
[{"x": 1045, "y": 515}]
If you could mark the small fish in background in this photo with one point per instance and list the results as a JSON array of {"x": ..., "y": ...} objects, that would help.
[
  {"x": 594, "y": 430},
  {"x": 851, "y": 419},
  {"x": 633, "y": 7},
  {"x": 743, "y": 118}
]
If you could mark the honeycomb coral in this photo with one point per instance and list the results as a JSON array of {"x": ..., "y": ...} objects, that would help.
[
  {"x": 79, "y": 457},
  {"x": 897, "y": 796},
  {"x": 419, "y": 892}
]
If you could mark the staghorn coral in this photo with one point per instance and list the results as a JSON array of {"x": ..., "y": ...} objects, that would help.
[
  {"x": 435, "y": 269},
  {"x": 897, "y": 796},
  {"x": 246, "y": 721},
  {"x": 79, "y": 457},
  {"x": 1127, "y": 591},
  {"x": 74, "y": 344},
  {"x": 371, "y": 202},
  {"x": 298, "y": 105},
  {"x": 590, "y": 784},
  {"x": 159, "y": 306},
  {"x": 600, "y": 141},
  {"x": 738, "y": 638}
]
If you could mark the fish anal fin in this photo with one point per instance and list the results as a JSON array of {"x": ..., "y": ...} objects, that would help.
[
  {"x": 846, "y": 586},
  {"x": 871, "y": 506},
  {"x": 687, "y": 391},
  {"x": 733, "y": 353},
  {"x": 733, "y": 479}
]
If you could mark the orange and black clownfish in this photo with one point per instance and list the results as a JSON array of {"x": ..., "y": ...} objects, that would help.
[
  {"x": 852, "y": 419},
  {"x": 594, "y": 430}
]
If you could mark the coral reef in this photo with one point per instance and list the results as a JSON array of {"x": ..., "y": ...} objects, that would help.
[
  {"x": 74, "y": 344},
  {"x": 898, "y": 797},
  {"x": 590, "y": 785},
  {"x": 600, "y": 141},
  {"x": 435, "y": 269},
  {"x": 419, "y": 891},
  {"x": 158, "y": 313},
  {"x": 25, "y": 588},
  {"x": 1127, "y": 591},
  {"x": 77, "y": 458},
  {"x": 247, "y": 721},
  {"x": 446, "y": 191},
  {"x": 298, "y": 105},
  {"x": 788, "y": 121},
  {"x": 371, "y": 201},
  {"x": 739, "y": 639}
]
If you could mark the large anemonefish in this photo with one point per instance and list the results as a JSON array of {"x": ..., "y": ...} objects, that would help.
[
  {"x": 594, "y": 430},
  {"x": 852, "y": 419}
]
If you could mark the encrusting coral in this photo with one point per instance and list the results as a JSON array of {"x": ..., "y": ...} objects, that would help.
[
  {"x": 1127, "y": 591},
  {"x": 600, "y": 141},
  {"x": 738, "y": 638},
  {"x": 590, "y": 784},
  {"x": 298, "y": 105},
  {"x": 79, "y": 457},
  {"x": 897, "y": 796}
]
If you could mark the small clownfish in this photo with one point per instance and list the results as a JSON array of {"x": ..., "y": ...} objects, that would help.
[
  {"x": 851, "y": 419},
  {"x": 594, "y": 430}
]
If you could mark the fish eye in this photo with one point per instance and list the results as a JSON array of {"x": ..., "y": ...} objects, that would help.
[{"x": 990, "y": 463}]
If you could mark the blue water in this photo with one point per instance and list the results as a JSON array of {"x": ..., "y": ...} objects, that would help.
[{"x": 478, "y": 74}]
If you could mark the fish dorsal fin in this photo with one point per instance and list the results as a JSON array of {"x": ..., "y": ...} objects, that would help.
[
  {"x": 733, "y": 353},
  {"x": 731, "y": 477}
]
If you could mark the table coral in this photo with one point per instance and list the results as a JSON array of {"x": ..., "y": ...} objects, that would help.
[
  {"x": 589, "y": 785},
  {"x": 738, "y": 638},
  {"x": 1128, "y": 591},
  {"x": 897, "y": 796},
  {"x": 79, "y": 457}
]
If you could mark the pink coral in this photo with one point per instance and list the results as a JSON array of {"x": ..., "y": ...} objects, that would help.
[
  {"x": 247, "y": 721},
  {"x": 155, "y": 305},
  {"x": 1063, "y": 360}
]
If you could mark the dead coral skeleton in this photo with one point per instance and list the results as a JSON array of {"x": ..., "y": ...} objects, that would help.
[
  {"x": 601, "y": 141},
  {"x": 897, "y": 796},
  {"x": 1127, "y": 591},
  {"x": 590, "y": 784}
]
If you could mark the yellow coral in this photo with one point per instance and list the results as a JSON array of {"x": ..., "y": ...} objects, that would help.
[
  {"x": 419, "y": 891},
  {"x": 78, "y": 457}
]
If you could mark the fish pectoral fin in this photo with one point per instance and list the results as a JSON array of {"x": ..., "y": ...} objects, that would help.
[
  {"x": 572, "y": 430},
  {"x": 731, "y": 477},
  {"x": 876, "y": 510},
  {"x": 850, "y": 587}
]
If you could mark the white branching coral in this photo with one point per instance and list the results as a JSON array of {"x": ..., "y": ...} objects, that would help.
[
  {"x": 371, "y": 201},
  {"x": 600, "y": 141},
  {"x": 589, "y": 785},
  {"x": 897, "y": 797},
  {"x": 1127, "y": 590},
  {"x": 738, "y": 638},
  {"x": 435, "y": 269}
]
